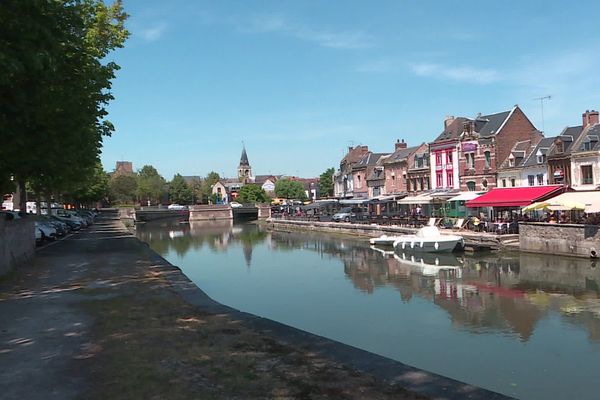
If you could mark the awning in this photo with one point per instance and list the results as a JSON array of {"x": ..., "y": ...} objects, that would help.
[
  {"x": 353, "y": 201},
  {"x": 385, "y": 198},
  {"x": 420, "y": 199},
  {"x": 515, "y": 197},
  {"x": 466, "y": 196},
  {"x": 591, "y": 200}
]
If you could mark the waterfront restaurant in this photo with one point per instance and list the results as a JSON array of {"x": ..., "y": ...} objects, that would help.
[{"x": 503, "y": 202}]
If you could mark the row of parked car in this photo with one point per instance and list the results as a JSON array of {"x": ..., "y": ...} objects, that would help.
[{"x": 58, "y": 224}]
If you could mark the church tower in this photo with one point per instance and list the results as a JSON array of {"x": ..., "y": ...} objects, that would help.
[{"x": 244, "y": 169}]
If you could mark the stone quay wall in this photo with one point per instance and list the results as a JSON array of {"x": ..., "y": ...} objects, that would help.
[
  {"x": 264, "y": 211},
  {"x": 17, "y": 243},
  {"x": 211, "y": 212},
  {"x": 564, "y": 239}
]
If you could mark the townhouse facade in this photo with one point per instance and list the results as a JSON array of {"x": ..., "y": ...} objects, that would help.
[
  {"x": 585, "y": 155},
  {"x": 526, "y": 165},
  {"x": 362, "y": 170},
  {"x": 343, "y": 182}
]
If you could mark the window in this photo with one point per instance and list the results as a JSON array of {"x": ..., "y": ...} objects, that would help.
[
  {"x": 503, "y": 182},
  {"x": 394, "y": 177},
  {"x": 418, "y": 162},
  {"x": 531, "y": 180},
  {"x": 358, "y": 181},
  {"x": 540, "y": 159},
  {"x": 438, "y": 158},
  {"x": 450, "y": 179},
  {"x": 587, "y": 146},
  {"x": 471, "y": 186},
  {"x": 587, "y": 177},
  {"x": 421, "y": 185},
  {"x": 449, "y": 157},
  {"x": 488, "y": 159},
  {"x": 513, "y": 182},
  {"x": 484, "y": 183},
  {"x": 559, "y": 147},
  {"x": 440, "y": 179},
  {"x": 540, "y": 179},
  {"x": 470, "y": 157},
  {"x": 511, "y": 161}
]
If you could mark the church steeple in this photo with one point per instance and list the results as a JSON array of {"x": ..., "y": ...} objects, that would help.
[{"x": 244, "y": 169}]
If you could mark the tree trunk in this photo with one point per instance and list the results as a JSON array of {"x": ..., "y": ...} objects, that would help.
[{"x": 22, "y": 195}]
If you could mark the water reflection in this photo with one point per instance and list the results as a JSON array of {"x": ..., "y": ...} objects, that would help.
[
  {"x": 517, "y": 322},
  {"x": 507, "y": 293},
  {"x": 166, "y": 236}
]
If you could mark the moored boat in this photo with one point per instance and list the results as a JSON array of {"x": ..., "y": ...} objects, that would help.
[
  {"x": 383, "y": 240},
  {"x": 428, "y": 239}
]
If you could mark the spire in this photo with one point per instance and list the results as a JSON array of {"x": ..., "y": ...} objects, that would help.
[{"x": 244, "y": 158}]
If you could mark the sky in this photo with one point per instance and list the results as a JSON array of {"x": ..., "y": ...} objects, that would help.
[{"x": 300, "y": 81}]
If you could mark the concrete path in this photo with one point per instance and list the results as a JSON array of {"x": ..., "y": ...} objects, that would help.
[{"x": 100, "y": 315}]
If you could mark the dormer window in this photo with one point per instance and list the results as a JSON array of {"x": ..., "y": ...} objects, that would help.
[
  {"x": 587, "y": 146},
  {"x": 511, "y": 161},
  {"x": 540, "y": 159},
  {"x": 560, "y": 147}
]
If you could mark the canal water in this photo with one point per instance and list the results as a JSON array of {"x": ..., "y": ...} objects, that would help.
[{"x": 524, "y": 325}]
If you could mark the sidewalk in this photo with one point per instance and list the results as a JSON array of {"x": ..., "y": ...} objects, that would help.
[{"x": 101, "y": 316}]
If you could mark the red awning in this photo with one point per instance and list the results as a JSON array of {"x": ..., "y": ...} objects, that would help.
[{"x": 515, "y": 197}]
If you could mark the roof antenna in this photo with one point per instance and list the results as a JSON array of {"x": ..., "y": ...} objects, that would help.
[{"x": 541, "y": 99}]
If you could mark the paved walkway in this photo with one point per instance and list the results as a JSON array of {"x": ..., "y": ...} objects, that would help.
[{"x": 99, "y": 315}]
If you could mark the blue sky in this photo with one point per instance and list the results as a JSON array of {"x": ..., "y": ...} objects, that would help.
[{"x": 300, "y": 81}]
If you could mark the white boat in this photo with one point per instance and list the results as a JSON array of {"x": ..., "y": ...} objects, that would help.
[
  {"x": 383, "y": 240},
  {"x": 428, "y": 239}
]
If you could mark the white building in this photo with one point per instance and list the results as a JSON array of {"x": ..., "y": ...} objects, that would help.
[{"x": 526, "y": 165}]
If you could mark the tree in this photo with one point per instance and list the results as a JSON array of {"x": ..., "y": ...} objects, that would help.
[
  {"x": 326, "y": 183},
  {"x": 289, "y": 189},
  {"x": 55, "y": 84},
  {"x": 205, "y": 192},
  {"x": 122, "y": 188},
  {"x": 93, "y": 187},
  {"x": 252, "y": 194},
  {"x": 179, "y": 191},
  {"x": 150, "y": 185}
]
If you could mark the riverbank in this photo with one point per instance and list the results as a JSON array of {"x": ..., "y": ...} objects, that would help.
[
  {"x": 100, "y": 315},
  {"x": 473, "y": 240}
]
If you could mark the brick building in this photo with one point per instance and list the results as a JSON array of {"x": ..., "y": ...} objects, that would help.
[{"x": 343, "y": 185}]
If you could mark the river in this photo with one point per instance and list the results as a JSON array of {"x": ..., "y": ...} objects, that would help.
[{"x": 525, "y": 325}]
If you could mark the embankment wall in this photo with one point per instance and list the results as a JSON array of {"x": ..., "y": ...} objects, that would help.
[
  {"x": 564, "y": 239},
  {"x": 211, "y": 212},
  {"x": 17, "y": 243}
]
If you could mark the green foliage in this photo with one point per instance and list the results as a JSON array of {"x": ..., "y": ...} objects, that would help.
[
  {"x": 123, "y": 188},
  {"x": 289, "y": 189},
  {"x": 55, "y": 84},
  {"x": 94, "y": 186},
  {"x": 150, "y": 185},
  {"x": 179, "y": 191},
  {"x": 326, "y": 183},
  {"x": 252, "y": 194},
  {"x": 205, "y": 193}
]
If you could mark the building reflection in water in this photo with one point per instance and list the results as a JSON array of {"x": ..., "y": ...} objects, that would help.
[
  {"x": 167, "y": 236},
  {"x": 495, "y": 292}
]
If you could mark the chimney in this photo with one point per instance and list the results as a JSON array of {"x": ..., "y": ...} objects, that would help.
[
  {"x": 589, "y": 118},
  {"x": 400, "y": 144},
  {"x": 448, "y": 120},
  {"x": 350, "y": 148}
]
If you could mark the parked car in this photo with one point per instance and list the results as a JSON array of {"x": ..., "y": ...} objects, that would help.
[
  {"x": 73, "y": 222},
  {"x": 39, "y": 236},
  {"x": 48, "y": 232},
  {"x": 176, "y": 207},
  {"x": 346, "y": 214}
]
